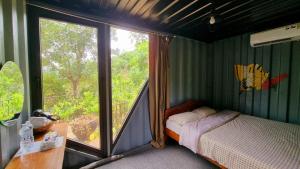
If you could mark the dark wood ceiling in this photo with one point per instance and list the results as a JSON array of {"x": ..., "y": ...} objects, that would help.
[{"x": 190, "y": 18}]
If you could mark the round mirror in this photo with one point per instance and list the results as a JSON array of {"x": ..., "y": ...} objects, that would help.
[{"x": 11, "y": 91}]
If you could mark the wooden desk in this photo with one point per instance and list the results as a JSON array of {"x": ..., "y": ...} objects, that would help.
[{"x": 50, "y": 159}]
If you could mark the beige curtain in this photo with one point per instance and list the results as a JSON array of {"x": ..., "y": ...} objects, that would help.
[{"x": 158, "y": 86}]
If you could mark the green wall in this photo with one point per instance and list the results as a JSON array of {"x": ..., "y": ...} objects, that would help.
[
  {"x": 185, "y": 70},
  {"x": 214, "y": 70},
  {"x": 13, "y": 40},
  {"x": 13, "y": 47}
]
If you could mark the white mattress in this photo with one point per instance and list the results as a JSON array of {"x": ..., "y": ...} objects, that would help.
[
  {"x": 172, "y": 125},
  {"x": 249, "y": 142}
]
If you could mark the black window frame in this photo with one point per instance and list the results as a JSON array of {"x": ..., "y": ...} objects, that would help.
[{"x": 104, "y": 73}]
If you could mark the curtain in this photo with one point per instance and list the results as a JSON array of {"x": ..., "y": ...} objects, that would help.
[{"x": 158, "y": 86}]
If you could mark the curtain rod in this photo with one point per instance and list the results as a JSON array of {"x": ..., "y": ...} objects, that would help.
[{"x": 97, "y": 19}]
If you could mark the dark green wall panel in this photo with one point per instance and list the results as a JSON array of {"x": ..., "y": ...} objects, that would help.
[
  {"x": 294, "y": 93},
  {"x": 209, "y": 74},
  {"x": 187, "y": 75},
  {"x": 13, "y": 47},
  {"x": 13, "y": 39}
]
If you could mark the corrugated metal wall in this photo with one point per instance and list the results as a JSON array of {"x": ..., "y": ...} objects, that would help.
[
  {"x": 13, "y": 47},
  {"x": 13, "y": 39},
  {"x": 187, "y": 70},
  {"x": 216, "y": 72}
]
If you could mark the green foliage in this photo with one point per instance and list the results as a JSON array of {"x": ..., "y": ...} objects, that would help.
[
  {"x": 11, "y": 91},
  {"x": 129, "y": 73},
  {"x": 69, "y": 52},
  {"x": 70, "y": 72}
]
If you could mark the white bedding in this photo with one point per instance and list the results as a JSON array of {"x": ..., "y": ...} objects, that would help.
[
  {"x": 248, "y": 142},
  {"x": 174, "y": 126},
  {"x": 191, "y": 132}
]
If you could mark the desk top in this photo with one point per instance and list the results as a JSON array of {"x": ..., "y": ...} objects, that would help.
[{"x": 50, "y": 159}]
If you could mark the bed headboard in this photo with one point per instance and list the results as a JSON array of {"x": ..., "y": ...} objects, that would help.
[{"x": 185, "y": 106}]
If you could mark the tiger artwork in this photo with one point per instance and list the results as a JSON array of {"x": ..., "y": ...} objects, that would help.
[{"x": 253, "y": 76}]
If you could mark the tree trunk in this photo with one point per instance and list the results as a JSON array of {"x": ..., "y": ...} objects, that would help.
[{"x": 75, "y": 90}]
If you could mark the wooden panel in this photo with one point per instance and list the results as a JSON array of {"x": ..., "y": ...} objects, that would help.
[
  {"x": 188, "y": 18},
  {"x": 137, "y": 6},
  {"x": 172, "y": 134},
  {"x": 50, "y": 159},
  {"x": 122, "y": 5},
  {"x": 146, "y": 9}
]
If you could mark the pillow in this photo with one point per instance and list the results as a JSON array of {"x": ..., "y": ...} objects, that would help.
[
  {"x": 204, "y": 111},
  {"x": 184, "y": 107},
  {"x": 183, "y": 118}
]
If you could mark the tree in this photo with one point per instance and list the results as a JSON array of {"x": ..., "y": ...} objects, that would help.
[
  {"x": 11, "y": 91},
  {"x": 70, "y": 71},
  {"x": 68, "y": 59},
  {"x": 129, "y": 73}
]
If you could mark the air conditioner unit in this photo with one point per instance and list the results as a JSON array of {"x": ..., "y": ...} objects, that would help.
[{"x": 278, "y": 35}]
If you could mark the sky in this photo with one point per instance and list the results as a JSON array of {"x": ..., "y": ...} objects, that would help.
[{"x": 123, "y": 42}]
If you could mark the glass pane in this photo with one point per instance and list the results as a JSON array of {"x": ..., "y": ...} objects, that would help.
[
  {"x": 130, "y": 70},
  {"x": 11, "y": 91},
  {"x": 70, "y": 77}
]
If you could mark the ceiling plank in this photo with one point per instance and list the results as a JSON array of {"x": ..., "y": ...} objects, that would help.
[
  {"x": 190, "y": 14},
  {"x": 193, "y": 20},
  {"x": 165, "y": 8},
  {"x": 166, "y": 20},
  {"x": 122, "y": 4},
  {"x": 137, "y": 7},
  {"x": 146, "y": 10},
  {"x": 112, "y": 3},
  {"x": 223, "y": 5},
  {"x": 130, "y": 5},
  {"x": 187, "y": 17},
  {"x": 266, "y": 10},
  {"x": 246, "y": 10},
  {"x": 236, "y": 7}
]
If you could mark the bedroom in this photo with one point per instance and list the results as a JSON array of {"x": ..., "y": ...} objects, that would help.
[{"x": 116, "y": 73}]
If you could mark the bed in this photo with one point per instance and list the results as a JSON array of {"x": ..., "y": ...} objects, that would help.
[{"x": 245, "y": 142}]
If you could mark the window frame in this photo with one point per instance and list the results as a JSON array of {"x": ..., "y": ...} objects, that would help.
[
  {"x": 130, "y": 113},
  {"x": 104, "y": 73}
]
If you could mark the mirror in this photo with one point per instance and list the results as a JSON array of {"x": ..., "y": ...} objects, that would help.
[{"x": 11, "y": 91}]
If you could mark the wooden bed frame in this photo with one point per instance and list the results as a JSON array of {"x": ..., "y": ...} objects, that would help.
[{"x": 186, "y": 106}]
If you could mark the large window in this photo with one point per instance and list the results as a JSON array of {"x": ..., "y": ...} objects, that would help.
[
  {"x": 70, "y": 77},
  {"x": 88, "y": 73},
  {"x": 129, "y": 72}
]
